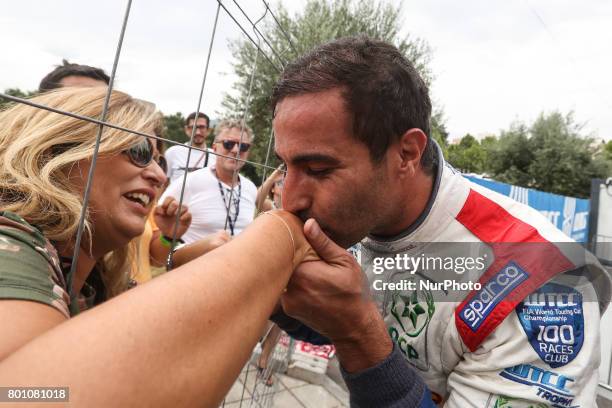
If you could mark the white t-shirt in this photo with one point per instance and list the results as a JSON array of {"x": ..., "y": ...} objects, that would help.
[
  {"x": 176, "y": 157},
  {"x": 208, "y": 209}
]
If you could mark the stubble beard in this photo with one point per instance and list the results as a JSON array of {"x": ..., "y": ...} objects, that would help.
[
  {"x": 199, "y": 145},
  {"x": 361, "y": 213}
]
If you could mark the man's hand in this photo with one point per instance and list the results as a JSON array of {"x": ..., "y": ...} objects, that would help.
[
  {"x": 165, "y": 217},
  {"x": 332, "y": 297}
]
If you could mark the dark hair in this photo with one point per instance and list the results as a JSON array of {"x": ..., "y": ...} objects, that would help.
[
  {"x": 383, "y": 92},
  {"x": 200, "y": 115},
  {"x": 53, "y": 78}
]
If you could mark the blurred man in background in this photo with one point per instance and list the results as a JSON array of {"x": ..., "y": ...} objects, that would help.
[{"x": 198, "y": 125}]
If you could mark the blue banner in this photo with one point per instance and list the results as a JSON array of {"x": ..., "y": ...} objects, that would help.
[{"x": 569, "y": 214}]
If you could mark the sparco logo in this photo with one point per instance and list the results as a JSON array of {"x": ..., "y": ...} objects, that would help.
[
  {"x": 491, "y": 293},
  {"x": 550, "y": 386}
]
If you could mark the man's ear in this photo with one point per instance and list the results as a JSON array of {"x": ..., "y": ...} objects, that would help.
[{"x": 410, "y": 148}]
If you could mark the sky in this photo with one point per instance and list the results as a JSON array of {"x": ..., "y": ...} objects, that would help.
[{"x": 493, "y": 62}]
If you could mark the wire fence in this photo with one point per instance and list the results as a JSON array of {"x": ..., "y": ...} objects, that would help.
[
  {"x": 256, "y": 386},
  {"x": 259, "y": 382}
]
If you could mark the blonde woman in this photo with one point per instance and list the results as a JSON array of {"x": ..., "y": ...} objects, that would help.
[
  {"x": 44, "y": 165},
  {"x": 177, "y": 324}
]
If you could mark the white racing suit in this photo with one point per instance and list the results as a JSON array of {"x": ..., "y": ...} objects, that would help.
[{"x": 519, "y": 341}]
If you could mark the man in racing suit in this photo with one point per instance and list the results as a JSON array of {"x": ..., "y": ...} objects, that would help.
[
  {"x": 527, "y": 336},
  {"x": 476, "y": 352}
]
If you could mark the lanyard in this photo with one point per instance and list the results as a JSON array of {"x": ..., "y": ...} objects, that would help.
[
  {"x": 204, "y": 154},
  {"x": 195, "y": 167},
  {"x": 236, "y": 201}
]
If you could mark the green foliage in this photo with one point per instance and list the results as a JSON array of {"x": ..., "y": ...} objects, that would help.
[
  {"x": 488, "y": 142},
  {"x": 439, "y": 132},
  {"x": 4, "y": 103},
  {"x": 551, "y": 155},
  {"x": 509, "y": 158},
  {"x": 607, "y": 151},
  {"x": 173, "y": 128},
  {"x": 468, "y": 156},
  {"x": 319, "y": 22}
]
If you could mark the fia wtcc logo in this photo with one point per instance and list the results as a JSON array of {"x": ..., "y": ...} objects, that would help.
[
  {"x": 491, "y": 293},
  {"x": 569, "y": 299},
  {"x": 550, "y": 386}
]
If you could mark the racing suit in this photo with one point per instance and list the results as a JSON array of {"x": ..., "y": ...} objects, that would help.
[{"x": 529, "y": 337}]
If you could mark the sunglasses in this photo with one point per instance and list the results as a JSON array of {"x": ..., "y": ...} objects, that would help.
[
  {"x": 229, "y": 145},
  {"x": 143, "y": 153}
]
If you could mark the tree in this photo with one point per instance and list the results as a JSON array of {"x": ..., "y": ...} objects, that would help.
[
  {"x": 488, "y": 143},
  {"x": 319, "y": 22},
  {"x": 551, "y": 155},
  {"x": 607, "y": 151},
  {"x": 173, "y": 128},
  {"x": 4, "y": 103},
  {"x": 468, "y": 156},
  {"x": 508, "y": 160},
  {"x": 438, "y": 131}
]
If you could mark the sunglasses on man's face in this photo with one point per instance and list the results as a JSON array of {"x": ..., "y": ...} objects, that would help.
[
  {"x": 229, "y": 145},
  {"x": 143, "y": 153}
]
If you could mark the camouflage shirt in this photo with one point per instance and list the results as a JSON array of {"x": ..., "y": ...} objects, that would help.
[{"x": 29, "y": 265}]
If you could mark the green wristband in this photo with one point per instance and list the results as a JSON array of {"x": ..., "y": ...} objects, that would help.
[{"x": 165, "y": 241}]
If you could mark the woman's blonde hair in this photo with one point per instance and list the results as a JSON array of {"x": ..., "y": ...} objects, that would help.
[{"x": 38, "y": 147}]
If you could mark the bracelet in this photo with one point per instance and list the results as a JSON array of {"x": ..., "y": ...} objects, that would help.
[
  {"x": 286, "y": 226},
  {"x": 170, "y": 259}
]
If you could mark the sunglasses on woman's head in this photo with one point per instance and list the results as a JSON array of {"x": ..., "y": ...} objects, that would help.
[{"x": 229, "y": 145}]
